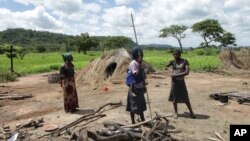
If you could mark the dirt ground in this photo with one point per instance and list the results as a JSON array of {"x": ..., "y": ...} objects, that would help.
[{"x": 212, "y": 116}]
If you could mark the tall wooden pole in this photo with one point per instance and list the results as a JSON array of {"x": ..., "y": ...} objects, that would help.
[
  {"x": 11, "y": 58},
  {"x": 133, "y": 25}
]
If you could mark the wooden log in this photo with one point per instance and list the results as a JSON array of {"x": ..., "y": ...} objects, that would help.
[
  {"x": 147, "y": 121},
  {"x": 131, "y": 133},
  {"x": 16, "y": 97},
  {"x": 153, "y": 129},
  {"x": 117, "y": 137},
  {"x": 83, "y": 135}
]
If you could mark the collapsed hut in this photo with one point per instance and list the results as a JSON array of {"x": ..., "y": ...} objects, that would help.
[{"x": 110, "y": 67}]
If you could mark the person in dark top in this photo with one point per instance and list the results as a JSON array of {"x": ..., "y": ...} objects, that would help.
[
  {"x": 68, "y": 84},
  {"x": 135, "y": 80},
  {"x": 179, "y": 93}
]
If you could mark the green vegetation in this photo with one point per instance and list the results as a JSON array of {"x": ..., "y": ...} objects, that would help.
[
  {"x": 208, "y": 62},
  {"x": 41, "y": 41},
  {"x": 44, "y": 62}
]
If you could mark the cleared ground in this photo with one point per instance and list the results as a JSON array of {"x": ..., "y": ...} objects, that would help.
[{"x": 211, "y": 115}]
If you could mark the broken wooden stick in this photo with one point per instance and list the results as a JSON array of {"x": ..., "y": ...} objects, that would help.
[
  {"x": 153, "y": 129},
  {"x": 83, "y": 118},
  {"x": 123, "y": 136},
  {"x": 219, "y": 136},
  {"x": 131, "y": 133},
  {"x": 147, "y": 121},
  {"x": 16, "y": 97}
]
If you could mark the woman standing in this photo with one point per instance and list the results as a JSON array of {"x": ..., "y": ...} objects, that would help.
[
  {"x": 179, "y": 93},
  {"x": 68, "y": 84},
  {"x": 136, "y": 103}
]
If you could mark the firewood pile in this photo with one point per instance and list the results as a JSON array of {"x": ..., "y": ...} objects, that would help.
[
  {"x": 150, "y": 130},
  {"x": 155, "y": 129}
]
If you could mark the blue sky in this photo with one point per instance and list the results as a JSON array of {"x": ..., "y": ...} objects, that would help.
[{"x": 112, "y": 17}]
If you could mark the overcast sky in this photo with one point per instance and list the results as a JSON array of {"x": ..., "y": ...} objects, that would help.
[{"x": 112, "y": 17}]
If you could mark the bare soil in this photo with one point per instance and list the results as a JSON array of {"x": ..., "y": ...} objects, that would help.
[{"x": 212, "y": 116}]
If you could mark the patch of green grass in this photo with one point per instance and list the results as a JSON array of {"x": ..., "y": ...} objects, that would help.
[
  {"x": 45, "y": 62},
  {"x": 206, "y": 63}
]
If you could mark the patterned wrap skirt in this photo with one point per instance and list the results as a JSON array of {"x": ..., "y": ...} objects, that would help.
[
  {"x": 178, "y": 93},
  {"x": 69, "y": 94},
  {"x": 136, "y": 102}
]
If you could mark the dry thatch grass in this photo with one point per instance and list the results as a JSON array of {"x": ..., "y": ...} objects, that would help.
[
  {"x": 95, "y": 72},
  {"x": 235, "y": 62}
]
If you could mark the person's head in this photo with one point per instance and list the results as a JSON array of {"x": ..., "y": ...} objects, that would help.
[
  {"x": 137, "y": 54},
  {"x": 67, "y": 57},
  {"x": 177, "y": 54}
]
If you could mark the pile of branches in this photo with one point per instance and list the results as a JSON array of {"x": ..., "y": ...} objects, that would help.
[
  {"x": 85, "y": 118},
  {"x": 150, "y": 130}
]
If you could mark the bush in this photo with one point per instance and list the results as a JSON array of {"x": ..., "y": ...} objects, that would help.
[
  {"x": 208, "y": 68},
  {"x": 40, "y": 49},
  {"x": 200, "y": 52},
  {"x": 54, "y": 67},
  {"x": 6, "y": 76}
]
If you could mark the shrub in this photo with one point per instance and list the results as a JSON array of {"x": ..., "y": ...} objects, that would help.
[
  {"x": 6, "y": 76},
  {"x": 200, "y": 52},
  {"x": 54, "y": 67},
  {"x": 40, "y": 49}
]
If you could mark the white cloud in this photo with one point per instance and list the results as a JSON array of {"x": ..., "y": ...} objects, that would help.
[
  {"x": 118, "y": 16},
  {"x": 37, "y": 18},
  {"x": 236, "y": 4},
  {"x": 103, "y": 17},
  {"x": 123, "y": 2}
]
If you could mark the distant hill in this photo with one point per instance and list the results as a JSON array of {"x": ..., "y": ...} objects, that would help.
[
  {"x": 30, "y": 38},
  {"x": 156, "y": 46},
  {"x": 33, "y": 40}
]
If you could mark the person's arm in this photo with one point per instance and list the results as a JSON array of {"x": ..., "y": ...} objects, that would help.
[
  {"x": 135, "y": 68},
  {"x": 62, "y": 74},
  {"x": 168, "y": 65}
]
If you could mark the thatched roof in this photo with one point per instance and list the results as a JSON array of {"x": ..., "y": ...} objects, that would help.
[{"x": 109, "y": 67}]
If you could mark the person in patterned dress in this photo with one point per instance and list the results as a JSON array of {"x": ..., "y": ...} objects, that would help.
[{"x": 68, "y": 84}]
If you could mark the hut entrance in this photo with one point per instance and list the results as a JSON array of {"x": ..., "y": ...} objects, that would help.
[{"x": 110, "y": 69}]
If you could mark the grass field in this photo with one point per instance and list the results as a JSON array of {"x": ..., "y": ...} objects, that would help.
[
  {"x": 197, "y": 62},
  {"x": 45, "y": 62}
]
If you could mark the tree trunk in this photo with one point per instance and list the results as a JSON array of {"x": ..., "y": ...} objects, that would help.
[
  {"x": 180, "y": 45},
  {"x": 85, "y": 52},
  {"x": 205, "y": 41}
]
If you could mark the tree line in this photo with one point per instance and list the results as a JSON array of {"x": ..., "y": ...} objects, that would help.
[
  {"x": 41, "y": 41},
  {"x": 27, "y": 40},
  {"x": 209, "y": 29}
]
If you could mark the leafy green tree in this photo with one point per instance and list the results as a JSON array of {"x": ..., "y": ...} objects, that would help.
[
  {"x": 227, "y": 40},
  {"x": 117, "y": 42},
  {"x": 84, "y": 42},
  {"x": 175, "y": 31},
  {"x": 40, "y": 48},
  {"x": 210, "y": 30}
]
